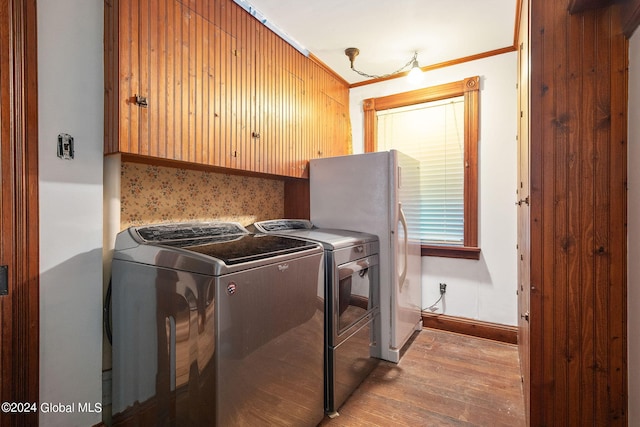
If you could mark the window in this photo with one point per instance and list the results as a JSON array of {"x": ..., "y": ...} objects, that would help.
[
  {"x": 447, "y": 117},
  {"x": 432, "y": 132}
]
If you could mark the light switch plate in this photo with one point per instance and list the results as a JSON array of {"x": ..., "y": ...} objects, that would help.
[{"x": 65, "y": 146}]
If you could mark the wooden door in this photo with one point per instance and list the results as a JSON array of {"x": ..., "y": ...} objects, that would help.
[
  {"x": 578, "y": 235},
  {"x": 524, "y": 285},
  {"x": 19, "y": 305}
]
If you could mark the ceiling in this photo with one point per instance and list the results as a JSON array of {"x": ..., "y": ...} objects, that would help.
[{"x": 388, "y": 32}]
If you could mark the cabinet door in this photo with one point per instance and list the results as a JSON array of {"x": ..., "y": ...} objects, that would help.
[
  {"x": 329, "y": 105},
  {"x": 223, "y": 100},
  {"x": 333, "y": 141},
  {"x": 191, "y": 90},
  {"x": 176, "y": 92},
  {"x": 292, "y": 158},
  {"x": 278, "y": 96}
]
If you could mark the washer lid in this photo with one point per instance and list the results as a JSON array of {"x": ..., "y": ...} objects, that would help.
[
  {"x": 275, "y": 225},
  {"x": 246, "y": 248},
  {"x": 330, "y": 238},
  {"x": 190, "y": 231},
  {"x": 333, "y": 239},
  {"x": 208, "y": 248}
]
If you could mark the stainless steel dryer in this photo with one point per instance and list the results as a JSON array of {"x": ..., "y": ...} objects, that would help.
[
  {"x": 213, "y": 325},
  {"x": 352, "y": 281}
]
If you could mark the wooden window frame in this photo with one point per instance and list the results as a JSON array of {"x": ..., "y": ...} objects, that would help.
[{"x": 469, "y": 88}]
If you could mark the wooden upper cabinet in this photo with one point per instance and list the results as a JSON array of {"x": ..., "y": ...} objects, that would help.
[{"x": 206, "y": 83}]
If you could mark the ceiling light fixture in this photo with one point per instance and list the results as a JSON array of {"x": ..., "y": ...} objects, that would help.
[{"x": 415, "y": 74}]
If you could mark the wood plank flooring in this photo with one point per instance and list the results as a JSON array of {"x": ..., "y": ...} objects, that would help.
[{"x": 443, "y": 379}]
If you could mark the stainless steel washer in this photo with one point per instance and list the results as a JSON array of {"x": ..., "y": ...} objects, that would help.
[
  {"x": 352, "y": 312},
  {"x": 213, "y": 325}
]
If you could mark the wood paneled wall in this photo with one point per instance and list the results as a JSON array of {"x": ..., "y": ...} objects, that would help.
[
  {"x": 578, "y": 216},
  {"x": 19, "y": 216},
  {"x": 221, "y": 88}
]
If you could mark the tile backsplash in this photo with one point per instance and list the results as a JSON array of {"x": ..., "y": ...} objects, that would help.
[{"x": 154, "y": 194}]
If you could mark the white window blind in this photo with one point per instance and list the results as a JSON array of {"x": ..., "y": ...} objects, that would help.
[{"x": 433, "y": 133}]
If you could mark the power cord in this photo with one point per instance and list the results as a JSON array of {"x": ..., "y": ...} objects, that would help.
[{"x": 443, "y": 290}]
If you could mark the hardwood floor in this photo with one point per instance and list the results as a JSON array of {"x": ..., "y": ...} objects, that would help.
[{"x": 443, "y": 379}]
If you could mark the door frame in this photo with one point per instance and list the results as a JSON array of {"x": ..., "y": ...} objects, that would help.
[{"x": 19, "y": 217}]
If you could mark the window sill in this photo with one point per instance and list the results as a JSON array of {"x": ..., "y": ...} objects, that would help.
[{"x": 464, "y": 252}]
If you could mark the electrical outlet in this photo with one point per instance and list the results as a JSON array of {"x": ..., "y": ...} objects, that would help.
[{"x": 443, "y": 288}]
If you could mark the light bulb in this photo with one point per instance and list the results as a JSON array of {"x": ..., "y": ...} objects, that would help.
[{"x": 416, "y": 75}]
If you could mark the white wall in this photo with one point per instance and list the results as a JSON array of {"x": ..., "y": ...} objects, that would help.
[
  {"x": 70, "y": 97},
  {"x": 485, "y": 289},
  {"x": 633, "y": 231}
]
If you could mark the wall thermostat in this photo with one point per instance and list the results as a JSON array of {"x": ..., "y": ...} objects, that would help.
[{"x": 65, "y": 146}]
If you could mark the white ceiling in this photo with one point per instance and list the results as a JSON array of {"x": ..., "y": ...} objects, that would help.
[{"x": 387, "y": 32}]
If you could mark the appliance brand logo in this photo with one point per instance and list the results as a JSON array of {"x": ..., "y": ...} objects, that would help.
[
  {"x": 283, "y": 267},
  {"x": 231, "y": 288}
]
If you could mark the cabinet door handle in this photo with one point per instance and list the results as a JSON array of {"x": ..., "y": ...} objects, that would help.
[{"x": 141, "y": 101}]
